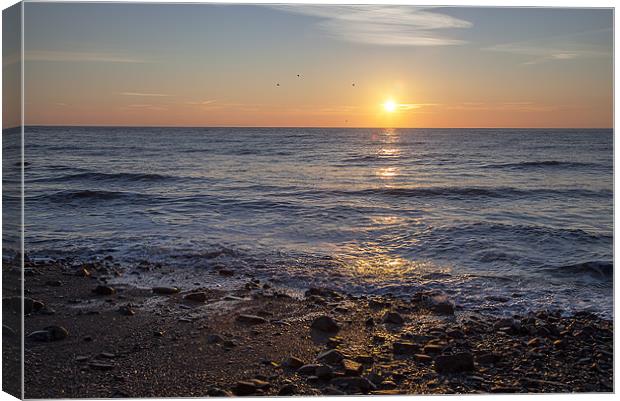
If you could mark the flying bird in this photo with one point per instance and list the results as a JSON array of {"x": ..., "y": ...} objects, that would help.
[
  {"x": 277, "y": 84},
  {"x": 298, "y": 76},
  {"x": 353, "y": 84}
]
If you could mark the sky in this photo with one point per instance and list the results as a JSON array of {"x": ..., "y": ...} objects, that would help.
[{"x": 358, "y": 66}]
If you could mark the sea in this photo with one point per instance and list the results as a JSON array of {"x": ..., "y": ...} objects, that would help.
[{"x": 503, "y": 221}]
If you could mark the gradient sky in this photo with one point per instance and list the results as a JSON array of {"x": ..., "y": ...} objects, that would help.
[{"x": 218, "y": 65}]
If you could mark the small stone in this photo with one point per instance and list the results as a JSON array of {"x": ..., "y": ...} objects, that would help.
[
  {"x": 39, "y": 335},
  {"x": 287, "y": 389},
  {"x": 308, "y": 370},
  {"x": 101, "y": 365},
  {"x": 226, "y": 272},
  {"x": 325, "y": 323},
  {"x": 218, "y": 392},
  {"x": 126, "y": 310},
  {"x": 196, "y": 296},
  {"x": 214, "y": 339},
  {"x": 353, "y": 384},
  {"x": 351, "y": 368},
  {"x": 165, "y": 290},
  {"x": 54, "y": 283},
  {"x": 534, "y": 342},
  {"x": 82, "y": 272},
  {"x": 107, "y": 355},
  {"x": 405, "y": 348},
  {"x": 331, "y": 357},
  {"x": 369, "y": 322},
  {"x": 423, "y": 358},
  {"x": 364, "y": 359},
  {"x": 251, "y": 319},
  {"x": 461, "y": 362},
  {"x": 433, "y": 349},
  {"x": 393, "y": 317},
  {"x": 244, "y": 388},
  {"x": 293, "y": 363},
  {"x": 104, "y": 290}
]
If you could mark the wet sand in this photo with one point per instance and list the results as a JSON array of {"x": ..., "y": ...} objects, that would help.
[{"x": 88, "y": 338}]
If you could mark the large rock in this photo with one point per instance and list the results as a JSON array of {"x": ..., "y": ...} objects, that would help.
[
  {"x": 326, "y": 324},
  {"x": 165, "y": 290},
  {"x": 437, "y": 301},
  {"x": 308, "y": 370},
  {"x": 104, "y": 290},
  {"x": 245, "y": 388},
  {"x": 405, "y": 348},
  {"x": 351, "y": 368},
  {"x": 461, "y": 362},
  {"x": 293, "y": 363},
  {"x": 393, "y": 317},
  {"x": 50, "y": 333},
  {"x": 331, "y": 357},
  {"x": 196, "y": 296},
  {"x": 353, "y": 384}
]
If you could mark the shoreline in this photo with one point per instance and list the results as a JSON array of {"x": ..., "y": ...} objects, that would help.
[{"x": 119, "y": 340}]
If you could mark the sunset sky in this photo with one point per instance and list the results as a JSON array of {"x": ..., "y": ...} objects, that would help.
[{"x": 219, "y": 65}]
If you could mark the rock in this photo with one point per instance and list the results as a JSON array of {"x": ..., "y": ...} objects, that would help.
[
  {"x": 50, "y": 333},
  {"x": 107, "y": 355},
  {"x": 196, "y": 296},
  {"x": 104, "y": 290},
  {"x": 405, "y": 348},
  {"x": 393, "y": 317},
  {"x": 226, "y": 272},
  {"x": 82, "y": 272},
  {"x": 369, "y": 322},
  {"x": 423, "y": 358},
  {"x": 433, "y": 349},
  {"x": 53, "y": 283},
  {"x": 325, "y": 323},
  {"x": 287, "y": 389},
  {"x": 251, "y": 319},
  {"x": 455, "y": 334},
  {"x": 437, "y": 301},
  {"x": 214, "y": 339},
  {"x": 126, "y": 310},
  {"x": 165, "y": 290},
  {"x": 39, "y": 335},
  {"x": 376, "y": 378},
  {"x": 244, "y": 388},
  {"x": 364, "y": 359},
  {"x": 323, "y": 292},
  {"x": 329, "y": 390},
  {"x": 460, "y": 362},
  {"x": 293, "y": 363},
  {"x": 331, "y": 357},
  {"x": 324, "y": 372},
  {"x": 96, "y": 365},
  {"x": 308, "y": 370},
  {"x": 218, "y": 392},
  {"x": 57, "y": 333},
  {"x": 351, "y": 368},
  {"x": 353, "y": 384},
  {"x": 534, "y": 342}
]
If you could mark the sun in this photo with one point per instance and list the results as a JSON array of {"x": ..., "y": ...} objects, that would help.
[{"x": 389, "y": 106}]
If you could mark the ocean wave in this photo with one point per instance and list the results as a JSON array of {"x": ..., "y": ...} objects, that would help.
[
  {"x": 474, "y": 192},
  {"x": 602, "y": 270},
  {"x": 91, "y": 195},
  {"x": 542, "y": 164},
  {"x": 93, "y": 176}
]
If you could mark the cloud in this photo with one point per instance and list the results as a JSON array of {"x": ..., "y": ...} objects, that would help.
[
  {"x": 382, "y": 25},
  {"x": 144, "y": 94},
  {"x": 62, "y": 56},
  {"x": 555, "y": 48}
]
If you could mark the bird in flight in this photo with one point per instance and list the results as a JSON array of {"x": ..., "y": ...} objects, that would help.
[
  {"x": 298, "y": 75},
  {"x": 277, "y": 84},
  {"x": 353, "y": 84}
]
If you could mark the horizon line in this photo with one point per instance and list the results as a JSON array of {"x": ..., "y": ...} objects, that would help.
[{"x": 283, "y": 126}]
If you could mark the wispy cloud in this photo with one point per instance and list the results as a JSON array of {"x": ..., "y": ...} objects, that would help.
[
  {"x": 200, "y": 102},
  {"x": 506, "y": 106},
  {"x": 63, "y": 56},
  {"x": 555, "y": 48},
  {"x": 144, "y": 94},
  {"x": 383, "y": 25}
]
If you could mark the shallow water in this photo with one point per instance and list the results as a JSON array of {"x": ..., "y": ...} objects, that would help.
[{"x": 502, "y": 220}]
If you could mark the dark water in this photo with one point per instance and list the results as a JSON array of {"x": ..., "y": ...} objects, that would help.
[{"x": 503, "y": 220}]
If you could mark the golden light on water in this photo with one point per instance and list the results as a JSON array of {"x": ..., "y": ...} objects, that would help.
[{"x": 387, "y": 172}]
